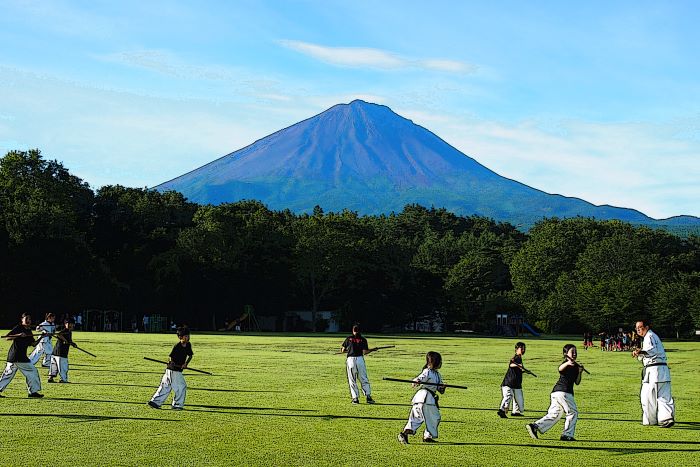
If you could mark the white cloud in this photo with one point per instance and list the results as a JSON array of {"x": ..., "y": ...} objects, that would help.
[
  {"x": 107, "y": 136},
  {"x": 168, "y": 63},
  {"x": 632, "y": 165},
  {"x": 364, "y": 57}
]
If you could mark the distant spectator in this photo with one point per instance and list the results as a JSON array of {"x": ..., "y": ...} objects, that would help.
[
  {"x": 79, "y": 321},
  {"x": 146, "y": 320}
]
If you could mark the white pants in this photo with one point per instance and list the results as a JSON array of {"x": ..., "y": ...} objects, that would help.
[
  {"x": 45, "y": 348},
  {"x": 172, "y": 381},
  {"x": 28, "y": 370},
  {"x": 59, "y": 366},
  {"x": 357, "y": 369},
  {"x": 562, "y": 403},
  {"x": 516, "y": 395},
  {"x": 428, "y": 413},
  {"x": 657, "y": 403}
]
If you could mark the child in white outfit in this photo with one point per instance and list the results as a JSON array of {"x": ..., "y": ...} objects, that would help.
[{"x": 425, "y": 401}]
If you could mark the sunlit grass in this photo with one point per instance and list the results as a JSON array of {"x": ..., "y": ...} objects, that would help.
[{"x": 284, "y": 400}]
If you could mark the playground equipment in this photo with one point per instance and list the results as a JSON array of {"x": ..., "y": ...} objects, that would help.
[
  {"x": 247, "y": 318},
  {"x": 513, "y": 325}
]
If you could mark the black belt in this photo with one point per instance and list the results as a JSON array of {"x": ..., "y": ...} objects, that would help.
[{"x": 435, "y": 396}]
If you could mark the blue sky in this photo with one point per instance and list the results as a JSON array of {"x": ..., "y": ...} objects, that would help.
[{"x": 598, "y": 100}]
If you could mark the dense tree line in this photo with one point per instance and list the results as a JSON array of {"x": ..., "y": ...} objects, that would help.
[{"x": 64, "y": 247}]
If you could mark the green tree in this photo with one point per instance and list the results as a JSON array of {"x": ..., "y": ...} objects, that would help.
[
  {"x": 329, "y": 252},
  {"x": 45, "y": 214}
]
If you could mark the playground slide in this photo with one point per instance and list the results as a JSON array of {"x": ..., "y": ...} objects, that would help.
[
  {"x": 232, "y": 324},
  {"x": 530, "y": 330}
]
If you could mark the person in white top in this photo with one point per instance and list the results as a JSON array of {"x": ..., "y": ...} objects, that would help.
[
  {"x": 657, "y": 402},
  {"x": 425, "y": 402},
  {"x": 45, "y": 347}
]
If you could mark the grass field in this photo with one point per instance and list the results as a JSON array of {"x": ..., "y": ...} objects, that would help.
[{"x": 283, "y": 400}]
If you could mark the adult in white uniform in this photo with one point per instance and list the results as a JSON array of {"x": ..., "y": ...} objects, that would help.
[
  {"x": 356, "y": 347},
  {"x": 45, "y": 347},
  {"x": 657, "y": 402}
]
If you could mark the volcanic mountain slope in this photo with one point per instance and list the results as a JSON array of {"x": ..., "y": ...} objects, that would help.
[{"x": 366, "y": 158}]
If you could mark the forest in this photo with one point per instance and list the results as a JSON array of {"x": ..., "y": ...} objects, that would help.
[{"x": 65, "y": 247}]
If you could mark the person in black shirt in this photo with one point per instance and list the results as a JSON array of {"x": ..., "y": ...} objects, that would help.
[
  {"x": 173, "y": 380},
  {"x": 59, "y": 359},
  {"x": 356, "y": 347},
  {"x": 512, "y": 385},
  {"x": 562, "y": 398},
  {"x": 21, "y": 337}
]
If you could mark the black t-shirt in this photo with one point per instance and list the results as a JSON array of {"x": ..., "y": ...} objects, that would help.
[
  {"x": 18, "y": 349},
  {"x": 61, "y": 348},
  {"x": 179, "y": 355},
  {"x": 355, "y": 345},
  {"x": 567, "y": 378},
  {"x": 514, "y": 375}
]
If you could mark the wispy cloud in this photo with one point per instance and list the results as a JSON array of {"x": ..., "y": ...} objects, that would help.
[
  {"x": 168, "y": 63},
  {"x": 628, "y": 164},
  {"x": 363, "y": 57}
]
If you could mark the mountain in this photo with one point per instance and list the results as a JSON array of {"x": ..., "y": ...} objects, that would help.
[{"x": 366, "y": 158}]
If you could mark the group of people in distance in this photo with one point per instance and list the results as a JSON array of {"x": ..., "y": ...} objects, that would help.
[{"x": 656, "y": 400}]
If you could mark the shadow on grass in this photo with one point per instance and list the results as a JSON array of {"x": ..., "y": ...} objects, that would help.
[
  {"x": 643, "y": 441},
  {"x": 494, "y": 409},
  {"x": 84, "y": 418},
  {"x": 188, "y": 388},
  {"x": 80, "y": 370},
  {"x": 144, "y": 403},
  {"x": 687, "y": 426},
  {"x": 578, "y": 446},
  {"x": 327, "y": 417}
]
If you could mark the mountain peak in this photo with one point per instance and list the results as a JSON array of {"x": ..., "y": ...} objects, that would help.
[{"x": 364, "y": 157}]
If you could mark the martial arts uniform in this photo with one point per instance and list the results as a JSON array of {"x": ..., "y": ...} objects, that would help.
[
  {"x": 512, "y": 388},
  {"x": 355, "y": 363},
  {"x": 59, "y": 359},
  {"x": 657, "y": 403},
  {"x": 425, "y": 405},
  {"x": 173, "y": 379},
  {"x": 17, "y": 360},
  {"x": 45, "y": 345},
  {"x": 562, "y": 402}
]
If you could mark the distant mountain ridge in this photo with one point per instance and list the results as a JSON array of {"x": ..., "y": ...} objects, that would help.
[{"x": 366, "y": 158}]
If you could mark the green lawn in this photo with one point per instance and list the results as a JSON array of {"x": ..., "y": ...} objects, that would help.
[{"x": 283, "y": 400}]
